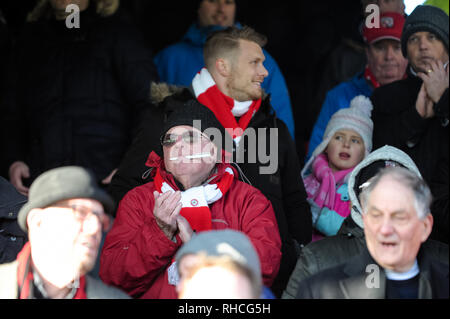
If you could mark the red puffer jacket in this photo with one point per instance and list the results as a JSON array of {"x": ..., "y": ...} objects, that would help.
[{"x": 136, "y": 253}]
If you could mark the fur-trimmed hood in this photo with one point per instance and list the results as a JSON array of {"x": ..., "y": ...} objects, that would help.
[
  {"x": 43, "y": 9},
  {"x": 160, "y": 91}
]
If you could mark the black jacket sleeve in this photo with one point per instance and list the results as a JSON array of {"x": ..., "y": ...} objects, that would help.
[{"x": 296, "y": 207}]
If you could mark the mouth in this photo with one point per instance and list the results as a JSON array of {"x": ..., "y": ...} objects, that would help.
[
  {"x": 344, "y": 156},
  {"x": 388, "y": 245}
]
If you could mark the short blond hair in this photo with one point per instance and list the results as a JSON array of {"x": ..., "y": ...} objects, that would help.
[{"x": 226, "y": 43}]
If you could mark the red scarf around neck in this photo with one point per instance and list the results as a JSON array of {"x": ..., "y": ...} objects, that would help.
[
  {"x": 224, "y": 107},
  {"x": 25, "y": 275},
  {"x": 195, "y": 200}
]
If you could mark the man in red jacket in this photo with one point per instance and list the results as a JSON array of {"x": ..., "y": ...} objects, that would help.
[{"x": 191, "y": 192}]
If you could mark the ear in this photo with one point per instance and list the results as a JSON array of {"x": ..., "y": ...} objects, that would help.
[
  {"x": 223, "y": 67},
  {"x": 34, "y": 218},
  {"x": 427, "y": 226}
]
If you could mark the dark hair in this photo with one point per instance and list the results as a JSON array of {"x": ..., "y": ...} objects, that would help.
[{"x": 225, "y": 43}]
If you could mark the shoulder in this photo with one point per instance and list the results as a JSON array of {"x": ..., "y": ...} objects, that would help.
[
  {"x": 96, "y": 289},
  {"x": 395, "y": 96}
]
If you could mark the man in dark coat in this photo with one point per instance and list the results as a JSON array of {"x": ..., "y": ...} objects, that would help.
[
  {"x": 395, "y": 265},
  {"x": 413, "y": 114},
  {"x": 350, "y": 241},
  {"x": 75, "y": 94},
  {"x": 282, "y": 184}
]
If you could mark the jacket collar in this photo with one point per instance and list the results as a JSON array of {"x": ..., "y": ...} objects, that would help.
[{"x": 361, "y": 269}]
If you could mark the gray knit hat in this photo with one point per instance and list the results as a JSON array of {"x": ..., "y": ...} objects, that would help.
[
  {"x": 60, "y": 184},
  {"x": 426, "y": 18},
  {"x": 357, "y": 117},
  {"x": 226, "y": 242}
]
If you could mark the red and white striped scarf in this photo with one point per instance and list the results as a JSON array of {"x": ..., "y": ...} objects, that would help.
[
  {"x": 224, "y": 107},
  {"x": 195, "y": 200}
]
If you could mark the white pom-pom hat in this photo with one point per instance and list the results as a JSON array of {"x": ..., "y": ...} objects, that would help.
[{"x": 356, "y": 118}]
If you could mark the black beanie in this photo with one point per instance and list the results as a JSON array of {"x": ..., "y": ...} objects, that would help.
[
  {"x": 190, "y": 111},
  {"x": 426, "y": 18}
]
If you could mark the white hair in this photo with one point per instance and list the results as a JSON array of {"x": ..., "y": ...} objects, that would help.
[{"x": 420, "y": 190}]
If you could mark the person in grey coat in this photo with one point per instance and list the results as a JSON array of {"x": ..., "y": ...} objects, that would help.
[
  {"x": 63, "y": 218},
  {"x": 350, "y": 240}
]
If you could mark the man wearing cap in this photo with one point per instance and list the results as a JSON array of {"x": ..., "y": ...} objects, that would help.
[
  {"x": 413, "y": 114},
  {"x": 220, "y": 264},
  {"x": 64, "y": 218},
  {"x": 395, "y": 265},
  {"x": 194, "y": 189},
  {"x": 385, "y": 64}
]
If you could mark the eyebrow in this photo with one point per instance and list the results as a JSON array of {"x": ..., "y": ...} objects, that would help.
[{"x": 401, "y": 211}]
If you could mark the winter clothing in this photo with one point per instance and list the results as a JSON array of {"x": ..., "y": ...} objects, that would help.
[
  {"x": 328, "y": 196},
  {"x": 63, "y": 183},
  {"x": 397, "y": 123},
  {"x": 327, "y": 190},
  {"x": 283, "y": 188},
  {"x": 180, "y": 62},
  {"x": 12, "y": 274},
  {"x": 226, "y": 242},
  {"x": 12, "y": 238},
  {"x": 349, "y": 241},
  {"x": 224, "y": 108},
  {"x": 136, "y": 254},
  {"x": 336, "y": 99},
  {"x": 76, "y": 95},
  {"x": 426, "y": 18},
  {"x": 349, "y": 280}
]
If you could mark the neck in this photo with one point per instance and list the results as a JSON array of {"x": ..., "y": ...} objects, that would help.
[
  {"x": 52, "y": 291},
  {"x": 189, "y": 181}
]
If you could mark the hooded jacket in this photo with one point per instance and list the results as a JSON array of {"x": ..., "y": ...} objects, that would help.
[
  {"x": 350, "y": 241},
  {"x": 283, "y": 188},
  {"x": 136, "y": 255},
  {"x": 12, "y": 237},
  {"x": 75, "y": 95},
  {"x": 180, "y": 62}
]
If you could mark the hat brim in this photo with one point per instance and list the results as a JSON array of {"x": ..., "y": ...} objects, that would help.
[{"x": 97, "y": 194}]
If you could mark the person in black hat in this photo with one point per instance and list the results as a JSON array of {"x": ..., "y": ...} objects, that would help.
[
  {"x": 63, "y": 217},
  {"x": 413, "y": 114},
  {"x": 193, "y": 189}
]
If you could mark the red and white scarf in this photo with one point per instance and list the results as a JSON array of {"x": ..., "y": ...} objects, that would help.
[
  {"x": 224, "y": 107},
  {"x": 196, "y": 200}
]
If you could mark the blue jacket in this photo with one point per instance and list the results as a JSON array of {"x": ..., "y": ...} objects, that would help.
[
  {"x": 178, "y": 64},
  {"x": 336, "y": 99}
]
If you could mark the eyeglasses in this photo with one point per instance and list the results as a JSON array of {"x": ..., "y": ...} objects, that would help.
[
  {"x": 83, "y": 214},
  {"x": 189, "y": 137}
]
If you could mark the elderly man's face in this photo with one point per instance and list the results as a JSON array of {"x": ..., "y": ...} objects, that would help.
[
  {"x": 65, "y": 238},
  {"x": 217, "y": 12},
  {"x": 392, "y": 228},
  {"x": 248, "y": 73},
  {"x": 386, "y": 61},
  {"x": 423, "y": 48},
  {"x": 192, "y": 155}
]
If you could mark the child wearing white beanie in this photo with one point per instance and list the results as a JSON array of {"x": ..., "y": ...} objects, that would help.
[{"x": 346, "y": 142}]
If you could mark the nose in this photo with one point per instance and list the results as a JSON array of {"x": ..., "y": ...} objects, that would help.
[
  {"x": 389, "y": 54},
  {"x": 386, "y": 228},
  {"x": 263, "y": 71},
  {"x": 91, "y": 224},
  {"x": 423, "y": 43}
]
